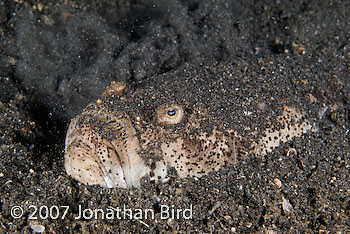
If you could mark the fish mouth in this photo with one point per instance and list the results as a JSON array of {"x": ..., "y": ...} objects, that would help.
[{"x": 102, "y": 148}]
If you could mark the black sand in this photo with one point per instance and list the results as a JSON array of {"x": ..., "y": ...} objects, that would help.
[{"x": 233, "y": 57}]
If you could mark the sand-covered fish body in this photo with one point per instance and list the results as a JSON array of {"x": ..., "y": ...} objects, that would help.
[{"x": 113, "y": 146}]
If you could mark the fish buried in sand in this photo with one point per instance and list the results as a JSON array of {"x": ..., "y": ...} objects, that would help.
[
  {"x": 108, "y": 147},
  {"x": 102, "y": 148}
]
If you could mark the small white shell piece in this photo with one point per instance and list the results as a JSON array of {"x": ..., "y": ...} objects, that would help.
[{"x": 38, "y": 228}]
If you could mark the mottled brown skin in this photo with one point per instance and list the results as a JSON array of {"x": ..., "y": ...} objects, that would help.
[
  {"x": 190, "y": 150},
  {"x": 103, "y": 147},
  {"x": 114, "y": 146}
]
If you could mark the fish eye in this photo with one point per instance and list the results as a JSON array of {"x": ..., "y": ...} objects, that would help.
[
  {"x": 169, "y": 115},
  {"x": 171, "y": 112}
]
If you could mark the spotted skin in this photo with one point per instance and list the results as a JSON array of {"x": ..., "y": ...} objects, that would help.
[{"x": 107, "y": 146}]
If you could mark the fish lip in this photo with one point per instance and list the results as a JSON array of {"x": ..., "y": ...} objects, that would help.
[{"x": 110, "y": 142}]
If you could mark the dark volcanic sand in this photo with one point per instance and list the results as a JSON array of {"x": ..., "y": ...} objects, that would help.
[{"x": 236, "y": 57}]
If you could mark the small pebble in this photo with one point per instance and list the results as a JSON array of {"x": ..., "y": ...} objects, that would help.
[
  {"x": 270, "y": 231},
  {"x": 12, "y": 61},
  {"x": 4, "y": 147},
  {"x": 40, "y": 6},
  {"x": 286, "y": 206},
  {"x": 277, "y": 182},
  {"x": 248, "y": 224},
  {"x": 291, "y": 152},
  {"x": 115, "y": 88},
  {"x": 38, "y": 228},
  {"x": 156, "y": 199},
  {"x": 48, "y": 20}
]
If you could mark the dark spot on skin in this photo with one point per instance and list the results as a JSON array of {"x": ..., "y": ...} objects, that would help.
[{"x": 153, "y": 165}]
